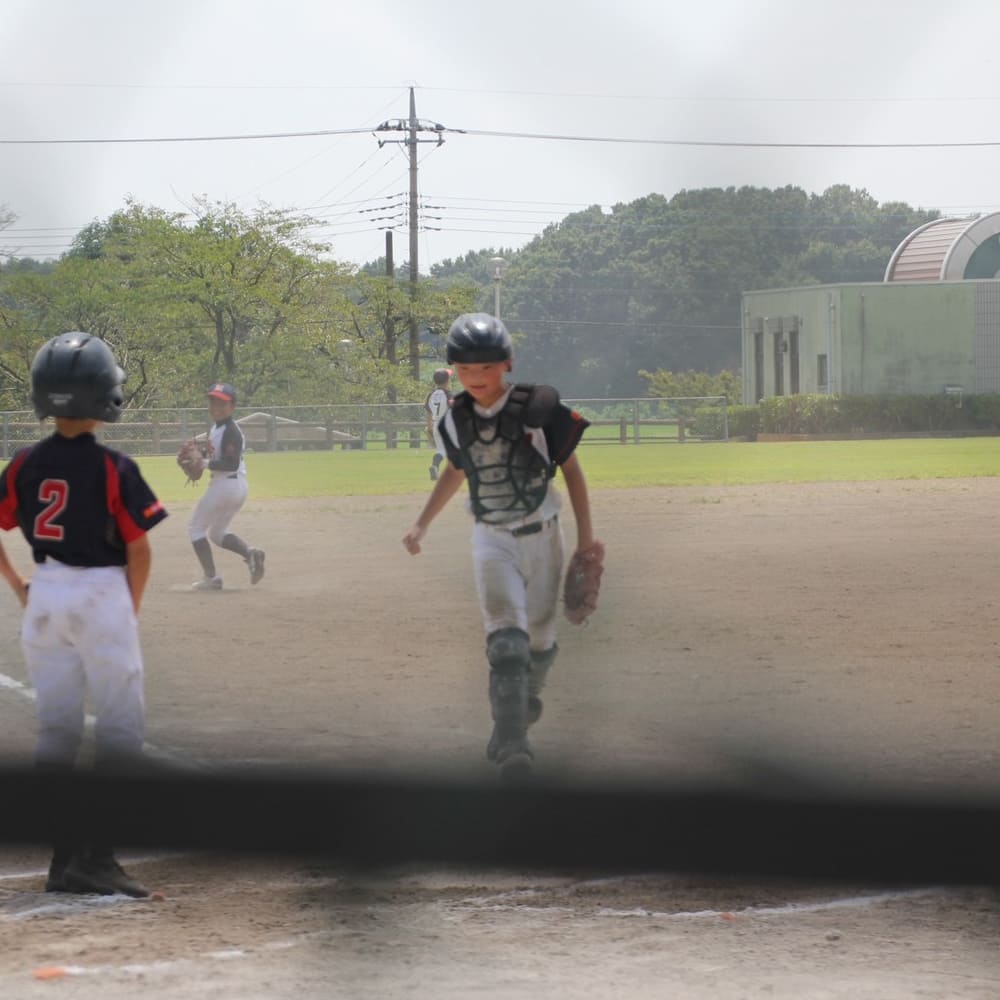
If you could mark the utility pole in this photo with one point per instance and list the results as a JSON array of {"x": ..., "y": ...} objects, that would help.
[
  {"x": 413, "y": 126},
  {"x": 390, "y": 330},
  {"x": 390, "y": 323},
  {"x": 414, "y": 242}
]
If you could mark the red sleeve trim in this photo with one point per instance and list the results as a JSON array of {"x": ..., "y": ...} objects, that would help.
[
  {"x": 130, "y": 531},
  {"x": 8, "y": 507}
]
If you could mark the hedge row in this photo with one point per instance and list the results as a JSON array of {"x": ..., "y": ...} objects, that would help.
[{"x": 854, "y": 415}]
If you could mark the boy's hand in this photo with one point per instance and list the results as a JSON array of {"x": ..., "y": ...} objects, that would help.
[{"x": 411, "y": 540}]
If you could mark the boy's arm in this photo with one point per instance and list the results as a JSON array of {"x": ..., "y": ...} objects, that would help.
[
  {"x": 139, "y": 559},
  {"x": 444, "y": 489},
  {"x": 576, "y": 487},
  {"x": 17, "y": 582}
]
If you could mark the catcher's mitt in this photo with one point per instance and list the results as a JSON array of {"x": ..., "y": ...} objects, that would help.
[
  {"x": 191, "y": 459},
  {"x": 583, "y": 582}
]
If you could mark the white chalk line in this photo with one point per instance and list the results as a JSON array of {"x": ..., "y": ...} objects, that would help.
[
  {"x": 236, "y": 953},
  {"x": 787, "y": 909},
  {"x": 173, "y": 964},
  {"x": 491, "y": 902}
]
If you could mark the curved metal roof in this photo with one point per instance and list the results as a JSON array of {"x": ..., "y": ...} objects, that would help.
[{"x": 949, "y": 249}]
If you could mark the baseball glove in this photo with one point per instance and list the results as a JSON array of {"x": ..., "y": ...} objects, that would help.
[
  {"x": 191, "y": 460},
  {"x": 583, "y": 582}
]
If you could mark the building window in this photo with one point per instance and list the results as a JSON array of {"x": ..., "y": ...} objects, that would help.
[
  {"x": 822, "y": 374},
  {"x": 793, "y": 362},
  {"x": 758, "y": 366},
  {"x": 779, "y": 363}
]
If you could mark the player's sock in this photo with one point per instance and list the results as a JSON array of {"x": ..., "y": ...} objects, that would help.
[
  {"x": 203, "y": 550},
  {"x": 235, "y": 544}
]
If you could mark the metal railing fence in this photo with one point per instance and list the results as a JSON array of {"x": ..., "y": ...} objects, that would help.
[{"x": 377, "y": 425}]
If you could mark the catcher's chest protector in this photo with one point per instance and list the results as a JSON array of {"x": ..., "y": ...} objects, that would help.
[{"x": 508, "y": 478}]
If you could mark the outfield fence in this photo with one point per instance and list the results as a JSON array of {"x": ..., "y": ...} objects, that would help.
[{"x": 379, "y": 425}]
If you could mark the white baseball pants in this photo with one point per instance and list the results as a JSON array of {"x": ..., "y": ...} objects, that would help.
[
  {"x": 80, "y": 637},
  {"x": 519, "y": 579},
  {"x": 216, "y": 509}
]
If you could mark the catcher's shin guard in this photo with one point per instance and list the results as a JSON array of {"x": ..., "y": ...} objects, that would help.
[
  {"x": 509, "y": 655},
  {"x": 541, "y": 661}
]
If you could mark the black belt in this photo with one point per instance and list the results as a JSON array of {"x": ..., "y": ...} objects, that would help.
[
  {"x": 531, "y": 529},
  {"x": 235, "y": 475}
]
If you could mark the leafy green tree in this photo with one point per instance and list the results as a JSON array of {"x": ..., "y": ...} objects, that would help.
[{"x": 657, "y": 283}]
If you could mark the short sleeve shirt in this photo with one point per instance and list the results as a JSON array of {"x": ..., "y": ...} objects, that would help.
[
  {"x": 77, "y": 501},
  {"x": 437, "y": 404}
]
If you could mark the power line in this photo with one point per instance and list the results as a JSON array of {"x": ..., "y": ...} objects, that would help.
[
  {"x": 553, "y": 137},
  {"x": 986, "y": 143},
  {"x": 190, "y": 138},
  {"x": 722, "y": 99}
]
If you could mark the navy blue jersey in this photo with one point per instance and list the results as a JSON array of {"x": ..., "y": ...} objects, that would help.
[
  {"x": 77, "y": 501},
  {"x": 227, "y": 444}
]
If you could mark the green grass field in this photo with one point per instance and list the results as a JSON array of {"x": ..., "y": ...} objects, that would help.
[{"x": 607, "y": 466}]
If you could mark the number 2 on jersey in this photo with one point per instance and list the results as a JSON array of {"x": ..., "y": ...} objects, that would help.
[{"x": 54, "y": 493}]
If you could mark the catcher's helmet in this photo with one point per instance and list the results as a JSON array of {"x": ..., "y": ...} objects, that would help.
[
  {"x": 476, "y": 338},
  {"x": 441, "y": 376},
  {"x": 76, "y": 375}
]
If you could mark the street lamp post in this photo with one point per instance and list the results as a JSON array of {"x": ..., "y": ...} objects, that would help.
[{"x": 498, "y": 263}]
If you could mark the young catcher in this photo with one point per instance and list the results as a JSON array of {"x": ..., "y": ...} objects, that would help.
[
  {"x": 85, "y": 511},
  {"x": 222, "y": 456},
  {"x": 507, "y": 441},
  {"x": 437, "y": 402}
]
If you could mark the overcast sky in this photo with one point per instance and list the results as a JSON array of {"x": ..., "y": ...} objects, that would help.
[{"x": 728, "y": 71}]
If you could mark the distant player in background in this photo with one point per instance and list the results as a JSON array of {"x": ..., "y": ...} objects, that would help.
[
  {"x": 507, "y": 442},
  {"x": 226, "y": 493},
  {"x": 436, "y": 405},
  {"x": 85, "y": 510}
]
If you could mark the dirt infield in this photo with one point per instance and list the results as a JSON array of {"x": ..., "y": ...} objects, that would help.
[{"x": 849, "y": 630}]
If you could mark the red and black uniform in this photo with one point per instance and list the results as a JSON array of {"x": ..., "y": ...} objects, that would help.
[
  {"x": 77, "y": 501},
  {"x": 79, "y": 504}
]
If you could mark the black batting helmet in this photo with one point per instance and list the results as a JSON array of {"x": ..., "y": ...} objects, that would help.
[
  {"x": 475, "y": 338},
  {"x": 76, "y": 375}
]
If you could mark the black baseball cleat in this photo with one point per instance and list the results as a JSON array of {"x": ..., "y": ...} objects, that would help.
[
  {"x": 56, "y": 881},
  {"x": 534, "y": 714},
  {"x": 98, "y": 876},
  {"x": 515, "y": 766},
  {"x": 514, "y": 758},
  {"x": 255, "y": 560}
]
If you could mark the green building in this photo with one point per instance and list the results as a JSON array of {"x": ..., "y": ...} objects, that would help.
[{"x": 932, "y": 325}]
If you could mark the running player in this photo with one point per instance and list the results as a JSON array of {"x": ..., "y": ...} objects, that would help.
[
  {"x": 85, "y": 511},
  {"x": 436, "y": 405},
  {"x": 226, "y": 493},
  {"x": 507, "y": 441}
]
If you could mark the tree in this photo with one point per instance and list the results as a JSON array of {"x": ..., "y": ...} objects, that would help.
[
  {"x": 657, "y": 283},
  {"x": 372, "y": 327}
]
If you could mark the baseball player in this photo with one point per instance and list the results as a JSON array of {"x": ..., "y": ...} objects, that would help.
[
  {"x": 438, "y": 400},
  {"x": 85, "y": 510},
  {"x": 506, "y": 441},
  {"x": 226, "y": 493}
]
